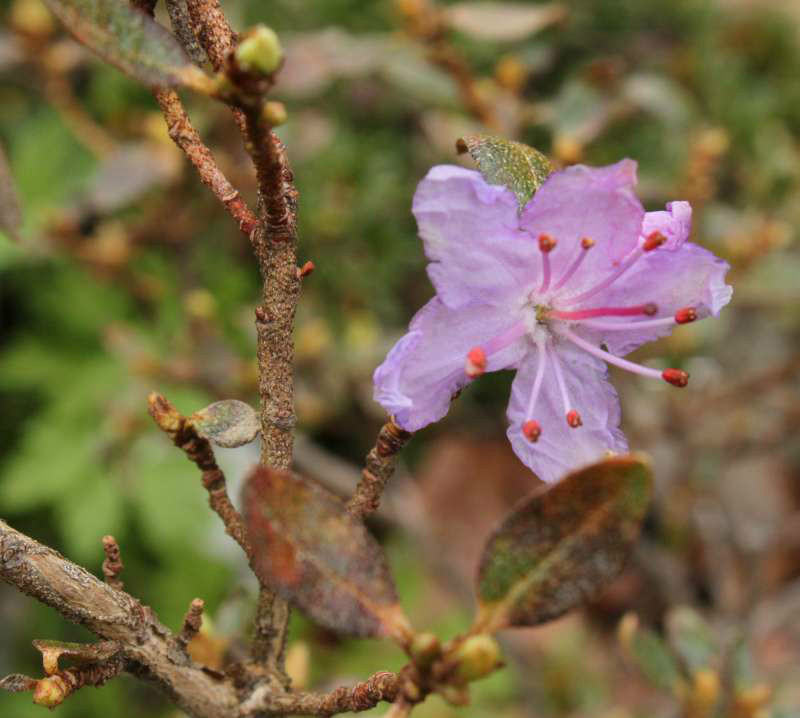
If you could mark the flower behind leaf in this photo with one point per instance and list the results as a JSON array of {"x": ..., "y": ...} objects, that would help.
[{"x": 583, "y": 265}]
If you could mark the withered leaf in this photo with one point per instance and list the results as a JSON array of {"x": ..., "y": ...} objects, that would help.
[
  {"x": 229, "y": 423},
  {"x": 562, "y": 544},
  {"x": 310, "y": 550},
  {"x": 131, "y": 41},
  {"x": 17, "y": 683},
  {"x": 80, "y": 653},
  {"x": 517, "y": 166},
  {"x": 10, "y": 212}
]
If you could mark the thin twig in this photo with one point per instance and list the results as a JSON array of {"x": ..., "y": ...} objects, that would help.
[
  {"x": 380, "y": 467},
  {"x": 112, "y": 565}
]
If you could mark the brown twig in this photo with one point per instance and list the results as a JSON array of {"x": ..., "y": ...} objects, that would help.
[
  {"x": 112, "y": 565},
  {"x": 383, "y": 686},
  {"x": 199, "y": 451},
  {"x": 192, "y": 622},
  {"x": 380, "y": 467}
]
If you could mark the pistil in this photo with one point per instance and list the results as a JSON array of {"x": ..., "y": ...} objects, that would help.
[{"x": 648, "y": 309}]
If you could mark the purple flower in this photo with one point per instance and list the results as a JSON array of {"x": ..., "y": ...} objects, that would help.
[{"x": 583, "y": 265}]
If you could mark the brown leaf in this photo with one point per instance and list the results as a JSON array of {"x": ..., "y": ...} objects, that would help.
[
  {"x": 17, "y": 683},
  {"x": 131, "y": 41},
  {"x": 10, "y": 212},
  {"x": 501, "y": 21},
  {"x": 229, "y": 423},
  {"x": 80, "y": 653},
  {"x": 561, "y": 545},
  {"x": 309, "y": 549}
]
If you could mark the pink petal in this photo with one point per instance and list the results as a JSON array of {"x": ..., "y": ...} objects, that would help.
[
  {"x": 580, "y": 201},
  {"x": 425, "y": 368},
  {"x": 689, "y": 276},
  {"x": 560, "y": 448},
  {"x": 471, "y": 234}
]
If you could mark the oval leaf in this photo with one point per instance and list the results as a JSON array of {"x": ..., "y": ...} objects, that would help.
[
  {"x": 228, "y": 423},
  {"x": 502, "y": 21},
  {"x": 131, "y": 41},
  {"x": 691, "y": 638},
  {"x": 312, "y": 552},
  {"x": 561, "y": 545},
  {"x": 519, "y": 167}
]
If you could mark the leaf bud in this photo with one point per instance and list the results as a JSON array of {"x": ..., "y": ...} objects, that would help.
[
  {"x": 425, "y": 648},
  {"x": 274, "y": 113},
  {"x": 50, "y": 691},
  {"x": 259, "y": 51},
  {"x": 476, "y": 657}
]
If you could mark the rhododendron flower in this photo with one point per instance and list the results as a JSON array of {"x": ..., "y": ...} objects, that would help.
[{"x": 577, "y": 279}]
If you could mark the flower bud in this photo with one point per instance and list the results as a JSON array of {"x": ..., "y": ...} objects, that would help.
[
  {"x": 476, "y": 657},
  {"x": 259, "y": 51}
]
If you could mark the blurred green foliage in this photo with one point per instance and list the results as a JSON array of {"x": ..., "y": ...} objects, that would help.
[{"x": 108, "y": 298}]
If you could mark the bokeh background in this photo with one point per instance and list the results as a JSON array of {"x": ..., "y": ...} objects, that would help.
[{"x": 128, "y": 277}]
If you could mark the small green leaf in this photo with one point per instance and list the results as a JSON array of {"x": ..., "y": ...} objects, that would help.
[
  {"x": 10, "y": 212},
  {"x": 563, "y": 544},
  {"x": 691, "y": 638},
  {"x": 653, "y": 658},
  {"x": 314, "y": 553},
  {"x": 520, "y": 168},
  {"x": 131, "y": 41},
  {"x": 229, "y": 423}
]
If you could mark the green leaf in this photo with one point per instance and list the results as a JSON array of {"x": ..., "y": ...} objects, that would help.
[
  {"x": 314, "y": 553},
  {"x": 563, "y": 544},
  {"x": 691, "y": 638},
  {"x": 229, "y": 423},
  {"x": 10, "y": 212},
  {"x": 520, "y": 168},
  {"x": 652, "y": 656},
  {"x": 131, "y": 41}
]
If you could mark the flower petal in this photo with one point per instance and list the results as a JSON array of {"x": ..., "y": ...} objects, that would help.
[
  {"x": 471, "y": 234},
  {"x": 560, "y": 448},
  {"x": 675, "y": 224},
  {"x": 594, "y": 202},
  {"x": 426, "y": 367},
  {"x": 689, "y": 276}
]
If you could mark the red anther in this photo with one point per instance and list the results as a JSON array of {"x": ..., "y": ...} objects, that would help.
[
  {"x": 587, "y": 243},
  {"x": 653, "y": 241},
  {"x": 546, "y": 243},
  {"x": 574, "y": 419},
  {"x": 676, "y": 377},
  {"x": 686, "y": 315},
  {"x": 650, "y": 309},
  {"x": 531, "y": 430},
  {"x": 306, "y": 269},
  {"x": 476, "y": 362}
]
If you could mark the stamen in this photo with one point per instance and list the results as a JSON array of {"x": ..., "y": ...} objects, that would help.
[
  {"x": 546, "y": 244},
  {"x": 649, "y": 309},
  {"x": 530, "y": 428},
  {"x": 573, "y": 417},
  {"x": 653, "y": 241},
  {"x": 615, "y": 360},
  {"x": 586, "y": 245},
  {"x": 628, "y": 326},
  {"x": 686, "y": 315},
  {"x": 624, "y": 266},
  {"x": 477, "y": 357},
  {"x": 676, "y": 377},
  {"x": 475, "y": 365}
]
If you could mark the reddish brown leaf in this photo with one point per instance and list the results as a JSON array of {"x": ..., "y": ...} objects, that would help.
[
  {"x": 561, "y": 545},
  {"x": 310, "y": 550}
]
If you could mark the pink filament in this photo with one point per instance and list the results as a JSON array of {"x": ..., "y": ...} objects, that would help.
[
  {"x": 562, "y": 385},
  {"x": 537, "y": 382},
  {"x": 627, "y": 326},
  {"x": 610, "y": 358},
  {"x": 572, "y": 268},
  {"x": 603, "y": 312},
  {"x": 506, "y": 338},
  {"x": 545, "y": 271},
  {"x": 626, "y": 264}
]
